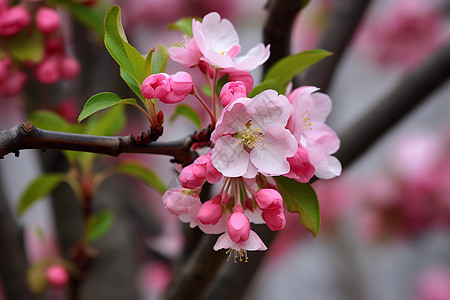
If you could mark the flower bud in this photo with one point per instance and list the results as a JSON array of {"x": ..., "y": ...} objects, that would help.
[
  {"x": 57, "y": 276},
  {"x": 155, "y": 86},
  {"x": 275, "y": 220},
  {"x": 269, "y": 200},
  {"x": 47, "y": 20},
  {"x": 192, "y": 176},
  {"x": 179, "y": 201},
  {"x": 13, "y": 20},
  {"x": 232, "y": 91},
  {"x": 48, "y": 71},
  {"x": 212, "y": 175},
  {"x": 211, "y": 211},
  {"x": 180, "y": 86},
  {"x": 13, "y": 84},
  {"x": 301, "y": 168},
  {"x": 238, "y": 225},
  {"x": 70, "y": 67}
]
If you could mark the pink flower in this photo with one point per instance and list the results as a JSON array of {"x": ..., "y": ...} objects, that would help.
[
  {"x": 211, "y": 174},
  {"x": 47, "y": 20},
  {"x": 232, "y": 91},
  {"x": 253, "y": 243},
  {"x": 13, "y": 84},
  {"x": 183, "y": 203},
  {"x": 307, "y": 124},
  {"x": 169, "y": 89},
  {"x": 69, "y": 67},
  {"x": 57, "y": 276},
  {"x": 218, "y": 41},
  {"x": 194, "y": 175},
  {"x": 13, "y": 20},
  {"x": 238, "y": 225},
  {"x": 250, "y": 136},
  {"x": 301, "y": 168},
  {"x": 275, "y": 220},
  {"x": 48, "y": 70},
  {"x": 211, "y": 211},
  {"x": 188, "y": 54}
]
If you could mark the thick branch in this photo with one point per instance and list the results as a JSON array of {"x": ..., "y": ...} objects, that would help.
[
  {"x": 344, "y": 20},
  {"x": 27, "y": 136}
]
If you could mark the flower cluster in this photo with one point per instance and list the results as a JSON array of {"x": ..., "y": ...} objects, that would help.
[
  {"x": 254, "y": 139},
  {"x": 40, "y": 29}
]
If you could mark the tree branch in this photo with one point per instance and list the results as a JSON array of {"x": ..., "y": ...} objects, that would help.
[
  {"x": 344, "y": 20},
  {"x": 27, "y": 136}
]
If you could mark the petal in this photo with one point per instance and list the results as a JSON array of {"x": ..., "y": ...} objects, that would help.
[
  {"x": 323, "y": 137},
  {"x": 218, "y": 60},
  {"x": 254, "y": 58},
  {"x": 253, "y": 243},
  {"x": 229, "y": 157},
  {"x": 270, "y": 155},
  {"x": 231, "y": 119},
  {"x": 269, "y": 109},
  {"x": 329, "y": 168},
  {"x": 322, "y": 107}
]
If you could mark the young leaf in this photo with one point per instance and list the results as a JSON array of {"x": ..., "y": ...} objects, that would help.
[
  {"x": 101, "y": 101},
  {"x": 98, "y": 225},
  {"x": 123, "y": 53},
  {"x": 265, "y": 85},
  {"x": 284, "y": 70},
  {"x": 137, "y": 170},
  {"x": 184, "y": 25},
  {"x": 220, "y": 83},
  {"x": 206, "y": 89},
  {"x": 38, "y": 188},
  {"x": 26, "y": 46},
  {"x": 188, "y": 112},
  {"x": 159, "y": 59},
  {"x": 301, "y": 198}
]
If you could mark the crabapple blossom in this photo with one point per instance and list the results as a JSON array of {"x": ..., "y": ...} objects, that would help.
[
  {"x": 57, "y": 276},
  {"x": 238, "y": 225},
  {"x": 13, "y": 19},
  {"x": 268, "y": 199},
  {"x": 169, "y": 89},
  {"x": 183, "y": 203},
  {"x": 301, "y": 168},
  {"x": 275, "y": 220},
  {"x": 250, "y": 136},
  {"x": 232, "y": 91},
  {"x": 194, "y": 175},
  {"x": 13, "y": 84},
  {"x": 47, "y": 20},
  {"x": 69, "y": 67},
  {"x": 307, "y": 124},
  {"x": 48, "y": 70},
  {"x": 253, "y": 243}
]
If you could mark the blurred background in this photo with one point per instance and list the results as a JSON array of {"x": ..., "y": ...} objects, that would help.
[{"x": 385, "y": 230}]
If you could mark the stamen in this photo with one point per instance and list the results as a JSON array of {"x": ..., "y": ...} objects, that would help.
[{"x": 240, "y": 255}]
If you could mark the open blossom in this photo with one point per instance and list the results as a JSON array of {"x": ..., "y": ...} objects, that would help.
[
  {"x": 168, "y": 88},
  {"x": 216, "y": 42},
  {"x": 307, "y": 124},
  {"x": 250, "y": 136}
]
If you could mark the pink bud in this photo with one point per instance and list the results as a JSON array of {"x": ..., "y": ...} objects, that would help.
[
  {"x": 212, "y": 175},
  {"x": 275, "y": 220},
  {"x": 70, "y": 67},
  {"x": 301, "y": 168},
  {"x": 13, "y": 84},
  {"x": 232, "y": 91},
  {"x": 192, "y": 176},
  {"x": 180, "y": 86},
  {"x": 47, "y": 71},
  {"x": 243, "y": 76},
  {"x": 269, "y": 200},
  {"x": 47, "y": 20},
  {"x": 179, "y": 201},
  {"x": 238, "y": 225},
  {"x": 53, "y": 45},
  {"x": 13, "y": 20},
  {"x": 211, "y": 211},
  {"x": 57, "y": 276},
  {"x": 155, "y": 86}
]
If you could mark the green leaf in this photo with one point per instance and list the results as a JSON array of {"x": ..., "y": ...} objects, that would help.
[
  {"x": 265, "y": 85},
  {"x": 131, "y": 82},
  {"x": 301, "y": 198},
  {"x": 38, "y": 188},
  {"x": 109, "y": 123},
  {"x": 148, "y": 176},
  {"x": 206, "y": 89},
  {"x": 184, "y": 25},
  {"x": 101, "y": 101},
  {"x": 49, "y": 120},
  {"x": 123, "y": 53},
  {"x": 188, "y": 112},
  {"x": 98, "y": 225},
  {"x": 36, "y": 277},
  {"x": 27, "y": 46},
  {"x": 159, "y": 59},
  {"x": 285, "y": 69}
]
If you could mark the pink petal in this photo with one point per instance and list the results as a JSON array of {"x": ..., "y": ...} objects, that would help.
[
  {"x": 271, "y": 157},
  {"x": 253, "y": 59},
  {"x": 268, "y": 109}
]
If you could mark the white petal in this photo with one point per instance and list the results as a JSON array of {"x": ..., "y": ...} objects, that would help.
[
  {"x": 229, "y": 157},
  {"x": 269, "y": 109}
]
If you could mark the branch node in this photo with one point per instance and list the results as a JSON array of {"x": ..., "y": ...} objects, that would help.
[
  {"x": 27, "y": 127},
  {"x": 151, "y": 135}
]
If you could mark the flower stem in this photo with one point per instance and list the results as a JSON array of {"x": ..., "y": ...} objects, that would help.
[{"x": 211, "y": 114}]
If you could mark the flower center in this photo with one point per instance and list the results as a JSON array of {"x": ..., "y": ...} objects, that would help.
[
  {"x": 249, "y": 136},
  {"x": 306, "y": 120}
]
